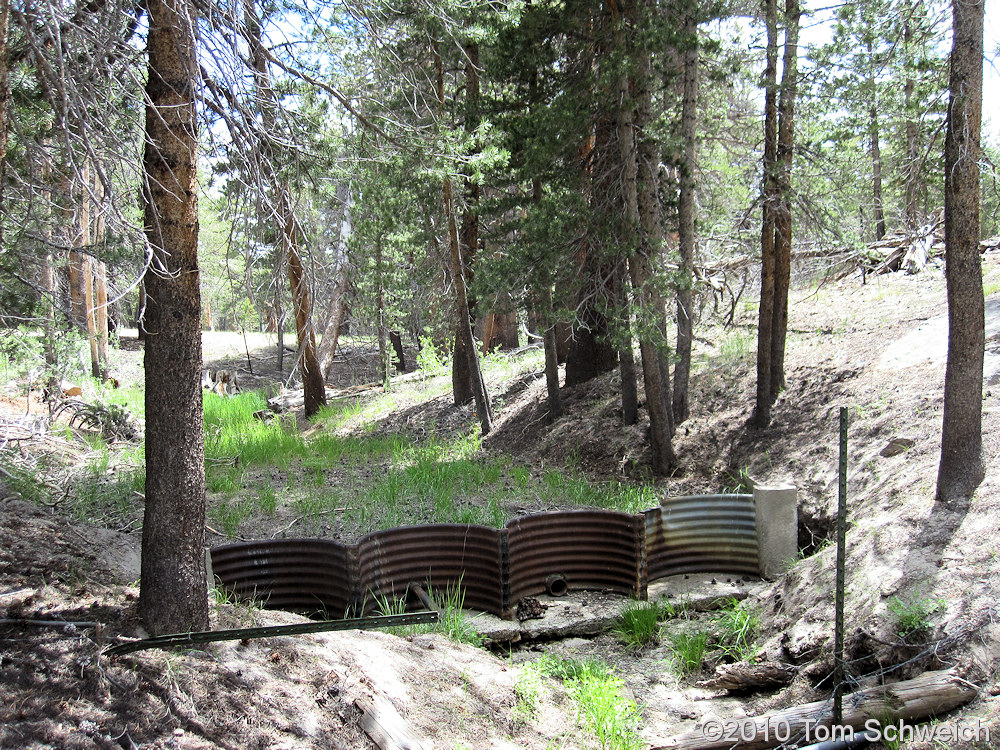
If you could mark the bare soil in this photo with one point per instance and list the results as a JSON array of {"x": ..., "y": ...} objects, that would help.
[{"x": 874, "y": 348}]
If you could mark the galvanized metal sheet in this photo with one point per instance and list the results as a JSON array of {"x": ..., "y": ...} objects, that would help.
[
  {"x": 590, "y": 549},
  {"x": 702, "y": 534},
  {"x": 438, "y": 555},
  {"x": 312, "y": 576}
]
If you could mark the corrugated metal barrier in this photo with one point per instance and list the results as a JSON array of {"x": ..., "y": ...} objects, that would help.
[
  {"x": 702, "y": 534},
  {"x": 566, "y": 550}
]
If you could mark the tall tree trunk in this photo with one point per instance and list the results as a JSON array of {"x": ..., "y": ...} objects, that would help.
[
  {"x": 783, "y": 214},
  {"x": 381, "y": 333},
  {"x": 962, "y": 468},
  {"x": 626, "y": 357},
  {"x": 765, "y": 316},
  {"x": 173, "y": 594},
  {"x": 4, "y": 104},
  {"x": 100, "y": 279},
  {"x": 911, "y": 208},
  {"x": 655, "y": 371},
  {"x": 279, "y": 311},
  {"x": 551, "y": 348},
  {"x": 337, "y": 306},
  {"x": 876, "y": 151},
  {"x": 313, "y": 383},
  {"x": 465, "y": 317},
  {"x": 686, "y": 224},
  {"x": 639, "y": 158},
  {"x": 464, "y": 314}
]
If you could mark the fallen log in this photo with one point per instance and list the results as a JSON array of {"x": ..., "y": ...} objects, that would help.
[
  {"x": 744, "y": 677},
  {"x": 930, "y": 694},
  {"x": 386, "y": 728}
]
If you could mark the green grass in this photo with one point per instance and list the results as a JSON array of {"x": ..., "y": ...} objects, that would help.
[
  {"x": 602, "y": 709},
  {"x": 738, "y": 626},
  {"x": 639, "y": 623},
  {"x": 232, "y": 432},
  {"x": 528, "y": 691},
  {"x": 688, "y": 651},
  {"x": 911, "y": 617},
  {"x": 452, "y": 623}
]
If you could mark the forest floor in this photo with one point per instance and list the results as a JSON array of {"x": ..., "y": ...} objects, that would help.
[{"x": 877, "y": 348}]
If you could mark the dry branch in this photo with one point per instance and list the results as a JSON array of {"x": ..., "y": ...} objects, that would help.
[
  {"x": 745, "y": 677},
  {"x": 386, "y": 727},
  {"x": 931, "y": 694}
]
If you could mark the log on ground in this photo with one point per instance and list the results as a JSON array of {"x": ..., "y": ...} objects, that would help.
[{"x": 931, "y": 694}]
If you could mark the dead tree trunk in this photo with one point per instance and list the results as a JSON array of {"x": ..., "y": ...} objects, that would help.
[{"x": 931, "y": 694}]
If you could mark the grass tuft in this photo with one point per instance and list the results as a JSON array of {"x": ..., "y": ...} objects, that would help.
[
  {"x": 688, "y": 651},
  {"x": 739, "y": 626},
  {"x": 639, "y": 623}
]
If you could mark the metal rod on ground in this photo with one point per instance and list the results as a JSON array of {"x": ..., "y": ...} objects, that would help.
[
  {"x": 424, "y": 597},
  {"x": 838, "y": 638},
  {"x": 240, "y": 634}
]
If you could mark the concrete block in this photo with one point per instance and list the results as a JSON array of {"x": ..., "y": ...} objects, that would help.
[{"x": 777, "y": 515}]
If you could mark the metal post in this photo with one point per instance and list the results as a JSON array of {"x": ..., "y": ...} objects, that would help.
[{"x": 838, "y": 643}]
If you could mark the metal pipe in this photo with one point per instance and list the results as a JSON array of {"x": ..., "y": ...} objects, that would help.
[{"x": 556, "y": 584}]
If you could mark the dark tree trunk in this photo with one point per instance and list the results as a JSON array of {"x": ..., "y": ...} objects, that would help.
[
  {"x": 655, "y": 371},
  {"x": 463, "y": 376},
  {"x": 500, "y": 332},
  {"x": 911, "y": 209},
  {"x": 783, "y": 214},
  {"x": 313, "y": 383},
  {"x": 173, "y": 595},
  {"x": 962, "y": 468},
  {"x": 465, "y": 342},
  {"x": 630, "y": 388},
  {"x": 877, "y": 201},
  {"x": 686, "y": 225},
  {"x": 876, "y": 152},
  {"x": 762, "y": 409},
  {"x": 591, "y": 352}
]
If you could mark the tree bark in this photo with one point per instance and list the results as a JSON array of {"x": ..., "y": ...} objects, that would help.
[
  {"x": 765, "y": 317},
  {"x": 313, "y": 383},
  {"x": 930, "y": 694},
  {"x": 173, "y": 595},
  {"x": 337, "y": 306},
  {"x": 962, "y": 469},
  {"x": 639, "y": 156},
  {"x": 911, "y": 210},
  {"x": 464, "y": 314},
  {"x": 686, "y": 223},
  {"x": 876, "y": 151},
  {"x": 783, "y": 213}
]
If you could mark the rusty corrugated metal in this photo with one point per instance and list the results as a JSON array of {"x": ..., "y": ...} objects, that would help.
[
  {"x": 702, "y": 534},
  {"x": 591, "y": 549},
  {"x": 438, "y": 555},
  {"x": 302, "y": 575}
]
